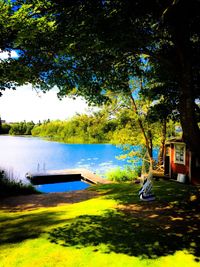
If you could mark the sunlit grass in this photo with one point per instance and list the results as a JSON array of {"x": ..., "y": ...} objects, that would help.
[
  {"x": 96, "y": 232},
  {"x": 41, "y": 253}
]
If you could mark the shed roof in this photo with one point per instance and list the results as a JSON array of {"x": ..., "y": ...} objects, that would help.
[{"x": 175, "y": 140}]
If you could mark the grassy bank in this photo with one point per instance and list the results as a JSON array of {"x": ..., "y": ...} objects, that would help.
[
  {"x": 112, "y": 229},
  {"x": 12, "y": 186}
]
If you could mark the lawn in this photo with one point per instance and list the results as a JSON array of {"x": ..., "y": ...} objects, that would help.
[{"x": 113, "y": 228}]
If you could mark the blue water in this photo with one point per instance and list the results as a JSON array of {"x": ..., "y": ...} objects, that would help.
[
  {"x": 62, "y": 187},
  {"x": 20, "y": 155}
]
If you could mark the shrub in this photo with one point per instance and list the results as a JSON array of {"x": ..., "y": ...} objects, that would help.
[
  {"x": 11, "y": 186},
  {"x": 21, "y": 128},
  {"x": 123, "y": 175},
  {"x": 5, "y": 128}
]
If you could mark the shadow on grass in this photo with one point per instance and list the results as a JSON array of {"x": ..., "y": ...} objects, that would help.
[
  {"x": 166, "y": 192},
  {"x": 147, "y": 230},
  {"x": 27, "y": 226},
  {"x": 132, "y": 235}
]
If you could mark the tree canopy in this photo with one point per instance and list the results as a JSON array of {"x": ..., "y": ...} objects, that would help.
[{"x": 92, "y": 48}]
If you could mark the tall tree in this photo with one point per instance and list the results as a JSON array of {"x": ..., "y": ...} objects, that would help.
[{"x": 85, "y": 46}]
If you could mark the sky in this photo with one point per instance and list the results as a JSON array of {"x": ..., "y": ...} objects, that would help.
[
  {"x": 25, "y": 103},
  {"x": 5, "y": 55}
]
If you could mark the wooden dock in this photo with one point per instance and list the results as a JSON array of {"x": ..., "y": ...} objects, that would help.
[{"x": 68, "y": 175}]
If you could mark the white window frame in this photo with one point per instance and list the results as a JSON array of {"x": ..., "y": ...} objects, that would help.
[{"x": 176, "y": 145}]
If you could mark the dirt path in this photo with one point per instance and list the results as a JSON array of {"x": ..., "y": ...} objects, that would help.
[{"x": 29, "y": 202}]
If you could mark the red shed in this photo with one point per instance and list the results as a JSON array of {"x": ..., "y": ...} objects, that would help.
[{"x": 180, "y": 162}]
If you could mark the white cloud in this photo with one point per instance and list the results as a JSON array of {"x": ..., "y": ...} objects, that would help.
[
  {"x": 6, "y": 55},
  {"x": 26, "y": 104}
]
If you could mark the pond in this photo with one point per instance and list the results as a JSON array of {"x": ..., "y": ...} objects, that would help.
[{"x": 19, "y": 155}]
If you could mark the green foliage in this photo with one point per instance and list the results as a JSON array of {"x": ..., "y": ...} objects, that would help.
[
  {"x": 123, "y": 175},
  {"x": 25, "y": 24},
  {"x": 21, "y": 128},
  {"x": 96, "y": 128},
  {"x": 5, "y": 128},
  {"x": 101, "y": 46},
  {"x": 12, "y": 186},
  {"x": 79, "y": 129}
]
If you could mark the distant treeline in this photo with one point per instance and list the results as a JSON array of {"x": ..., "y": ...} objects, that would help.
[
  {"x": 79, "y": 129},
  {"x": 18, "y": 128},
  {"x": 99, "y": 127},
  {"x": 95, "y": 128}
]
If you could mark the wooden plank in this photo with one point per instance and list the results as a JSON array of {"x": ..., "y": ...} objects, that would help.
[
  {"x": 67, "y": 175},
  {"x": 47, "y": 178}
]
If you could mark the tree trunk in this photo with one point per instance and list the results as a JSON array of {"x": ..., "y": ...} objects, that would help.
[
  {"x": 147, "y": 137},
  {"x": 163, "y": 139},
  {"x": 191, "y": 131}
]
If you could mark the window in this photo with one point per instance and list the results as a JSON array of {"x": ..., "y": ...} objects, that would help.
[{"x": 179, "y": 155}]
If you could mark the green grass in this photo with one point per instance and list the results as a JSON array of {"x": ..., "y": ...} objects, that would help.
[{"x": 114, "y": 229}]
